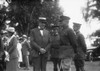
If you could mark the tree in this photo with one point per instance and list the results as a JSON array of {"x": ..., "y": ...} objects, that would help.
[
  {"x": 26, "y": 13},
  {"x": 92, "y": 10},
  {"x": 51, "y": 11}
]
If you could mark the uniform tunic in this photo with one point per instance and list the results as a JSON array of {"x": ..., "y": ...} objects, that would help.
[
  {"x": 81, "y": 50},
  {"x": 55, "y": 43}
]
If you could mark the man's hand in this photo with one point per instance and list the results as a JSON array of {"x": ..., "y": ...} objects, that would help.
[{"x": 42, "y": 50}]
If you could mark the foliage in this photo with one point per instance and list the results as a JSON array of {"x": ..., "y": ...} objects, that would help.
[
  {"x": 52, "y": 12},
  {"x": 92, "y": 9},
  {"x": 26, "y": 13}
]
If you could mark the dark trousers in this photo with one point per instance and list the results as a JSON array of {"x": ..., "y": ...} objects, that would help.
[
  {"x": 39, "y": 63},
  {"x": 56, "y": 61},
  {"x": 79, "y": 65},
  {"x": 2, "y": 66},
  {"x": 26, "y": 60}
]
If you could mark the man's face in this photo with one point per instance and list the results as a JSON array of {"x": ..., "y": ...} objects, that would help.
[
  {"x": 64, "y": 23},
  {"x": 20, "y": 41},
  {"x": 76, "y": 28},
  {"x": 42, "y": 25}
]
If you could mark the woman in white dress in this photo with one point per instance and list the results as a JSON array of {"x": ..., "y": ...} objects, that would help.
[{"x": 19, "y": 47}]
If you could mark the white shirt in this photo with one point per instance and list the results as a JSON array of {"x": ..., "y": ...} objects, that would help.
[
  {"x": 41, "y": 31},
  {"x": 19, "y": 47}
]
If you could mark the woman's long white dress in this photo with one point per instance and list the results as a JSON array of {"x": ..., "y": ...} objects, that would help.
[{"x": 19, "y": 47}]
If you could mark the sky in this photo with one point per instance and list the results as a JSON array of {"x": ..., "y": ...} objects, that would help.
[{"x": 73, "y": 9}]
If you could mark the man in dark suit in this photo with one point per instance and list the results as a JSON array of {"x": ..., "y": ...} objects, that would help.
[
  {"x": 81, "y": 50},
  {"x": 68, "y": 44},
  {"x": 40, "y": 44}
]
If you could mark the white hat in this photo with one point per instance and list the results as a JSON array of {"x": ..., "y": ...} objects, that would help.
[
  {"x": 11, "y": 29},
  {"x": 42, "y": 18},
  {"x": 24, "y": 36}
]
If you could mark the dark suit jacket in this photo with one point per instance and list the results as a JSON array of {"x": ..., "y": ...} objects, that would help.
[
  {"x": 81, "y": 46},
  {"x": 68, "y": 43},
  {"x": 38, "y": 41}
]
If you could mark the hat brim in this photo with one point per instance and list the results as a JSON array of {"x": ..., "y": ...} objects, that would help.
[
  {"x": 77, "y": 24},
  {"x": 43, "y": 21},
  {"x": 62, "y": 18}
]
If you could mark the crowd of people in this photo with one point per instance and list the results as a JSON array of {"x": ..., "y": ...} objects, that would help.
[
  {"x": 15, "y": 50},
  {"x": 61, "y": 45}
]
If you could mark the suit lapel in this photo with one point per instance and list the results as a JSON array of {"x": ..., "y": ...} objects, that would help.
[{"x": 44, "y": 33}]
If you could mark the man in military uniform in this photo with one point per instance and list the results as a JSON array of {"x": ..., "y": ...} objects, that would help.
[
  {"x": 55, "y": 44},
  {"x": 81, "y": 50},
  {"x": 68, "y": 44}
]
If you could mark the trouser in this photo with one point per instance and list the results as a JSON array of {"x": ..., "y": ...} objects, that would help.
[
  {"x": 26, "y": 60},
  {"x": 66, "y": 64},
  {"x": 56, "y": 61},
  {"x": 39, "y": 63},
  {"x": 79, "y": 64}
]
